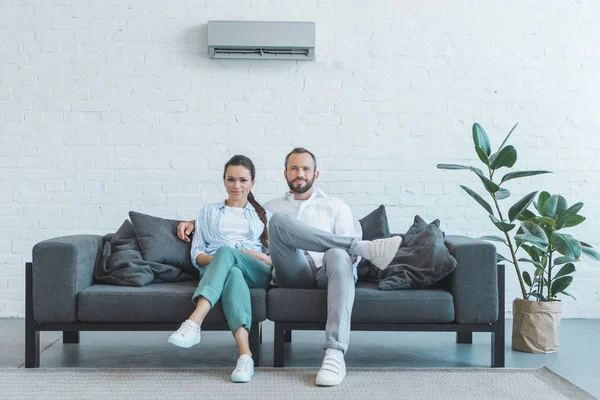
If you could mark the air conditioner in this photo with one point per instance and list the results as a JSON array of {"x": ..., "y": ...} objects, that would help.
[{"x": 261, "y": 40}]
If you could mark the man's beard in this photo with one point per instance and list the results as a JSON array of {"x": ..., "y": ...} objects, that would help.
[{"x": 301, "y": 189}]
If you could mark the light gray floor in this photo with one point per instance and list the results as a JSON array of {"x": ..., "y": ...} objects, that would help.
[{"x": 578, "y": 359}]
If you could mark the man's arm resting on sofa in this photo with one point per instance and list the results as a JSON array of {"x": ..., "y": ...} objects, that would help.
[
  {"x": 474, "y": 282},
  {"x": 62, "y": 267}
]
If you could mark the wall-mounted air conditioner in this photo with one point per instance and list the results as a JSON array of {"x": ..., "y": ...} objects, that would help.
[{"x": 261, "y": 40}]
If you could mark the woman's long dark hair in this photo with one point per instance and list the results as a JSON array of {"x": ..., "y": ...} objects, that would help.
[{"x": 243, "y": 161}]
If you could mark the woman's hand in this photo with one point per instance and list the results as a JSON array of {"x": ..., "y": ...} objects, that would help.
[
  {"x": 259, "y": 256},
  {"x": 184, "y": 229}
]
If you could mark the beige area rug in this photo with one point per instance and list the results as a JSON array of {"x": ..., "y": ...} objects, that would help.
[{"x": 285, "y": 383}]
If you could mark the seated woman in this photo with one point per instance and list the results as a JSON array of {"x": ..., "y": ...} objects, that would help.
[{"x": 229, "y": 248}]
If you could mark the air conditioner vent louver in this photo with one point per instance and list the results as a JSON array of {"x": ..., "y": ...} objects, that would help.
[{"x": 261, "y": 40}]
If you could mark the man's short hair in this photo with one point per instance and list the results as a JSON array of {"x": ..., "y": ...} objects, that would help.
[{"x": 300, "y": 150}]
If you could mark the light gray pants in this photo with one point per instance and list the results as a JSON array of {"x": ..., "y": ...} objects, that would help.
[{"x": 288, "y": 238}]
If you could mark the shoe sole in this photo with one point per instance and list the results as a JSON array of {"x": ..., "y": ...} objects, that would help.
[
  {"x": 329, "y": 384},
  {"x": 182, "y": 344},
  {"x": 384, "y": 263},
  {"x": 242, "y": 380}
]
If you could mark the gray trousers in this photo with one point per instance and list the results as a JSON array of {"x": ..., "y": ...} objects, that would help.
[{"x": 288, "y": 238}]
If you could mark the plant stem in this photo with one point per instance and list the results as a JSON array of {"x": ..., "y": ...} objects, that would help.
[
  {"x": 549, "y": 275},
  {"x": 512, "y": 251}
]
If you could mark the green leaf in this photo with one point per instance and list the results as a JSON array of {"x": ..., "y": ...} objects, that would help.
[
  {"x": 533, "y": 229},
  {"x": 537, "y": 296},
  {"x": 507, "y": 136},
  {"x": 521, "y": 174},
  {"x": 490, "y": 185},
  {"x": 565, "y": 270},
  {"x": 478, "y": 199},
  {"x": 494, "y": 239},
  {"x": 520, "y": 205},
  {"x": 507, "y": 157},
  {"x": 568, "y": 294},
  {"x": 542, "y": 198},
  {"x": 500, "y": 258},
  {"x": 480, "y": 139},
  {"x": 452, "y": 166},
  {"x": 574, "y": 209},
  {"x": 562, "y": 260},
  {"x": 560, "y": 284},
  {"x": 482, "y": 156},
  {"x": 527, "y": 278},
  {"x": 526, "y": 215},
  {"x": 503, "y": 226},
  {"x": 569, "y": 221},
  {"x": 502, "y": 194},
  {"x": 590, "y": 252},
  {"x": 566, "y": 245},
  {"x": 527, "y": 260},
  {"x": 534, "y": 241},
  {"x": 584, "y": 244},
  {"x": 554, "y": 207},
  {"x": 545, "y": 220},
  {"x": 533, "y": 252}
]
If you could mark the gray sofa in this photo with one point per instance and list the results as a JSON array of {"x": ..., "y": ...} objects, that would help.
[{"x": 61, "y": 295}]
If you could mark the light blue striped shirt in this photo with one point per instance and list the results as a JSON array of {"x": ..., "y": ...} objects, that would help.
[{"x": 208, "y": 237}]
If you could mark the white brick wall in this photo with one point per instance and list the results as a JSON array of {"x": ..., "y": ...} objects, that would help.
[{"x": 111, "y": 106}]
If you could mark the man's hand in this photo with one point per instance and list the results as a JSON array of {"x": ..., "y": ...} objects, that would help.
[{"x": 184, "y": 229}]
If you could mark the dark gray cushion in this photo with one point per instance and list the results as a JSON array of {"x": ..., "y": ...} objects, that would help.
[
  {"x": 374, "y": 226},
  {"x": 371, "y": 305},
  {"x": 122, "y": 263},
  {"x": 417, "y": 227},
  {"x": 158, "y": 240},
  {"x": 424, "y": 262},
  {"x": 156, "y": 302}
]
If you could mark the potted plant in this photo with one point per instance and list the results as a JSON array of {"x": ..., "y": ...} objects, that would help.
[{"x": 537, "y": 242}]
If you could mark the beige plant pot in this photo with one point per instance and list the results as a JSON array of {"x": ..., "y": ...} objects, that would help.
[{"x": 536, "y": 325}]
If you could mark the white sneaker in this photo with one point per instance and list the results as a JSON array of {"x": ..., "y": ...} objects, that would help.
[
  {"x": 333, "y": 369},
  {"x": 381, "y": 252},
  {"x": 187, "y": 335},
  {"x": 244, "y": 369}
]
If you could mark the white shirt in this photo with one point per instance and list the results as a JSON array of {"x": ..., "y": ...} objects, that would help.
[
  {"x": 235, "y": 225},
  {"x": 320, "y": 211}
]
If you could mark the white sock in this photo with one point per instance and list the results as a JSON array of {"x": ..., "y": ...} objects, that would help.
[{"x": 362, "y": 248}]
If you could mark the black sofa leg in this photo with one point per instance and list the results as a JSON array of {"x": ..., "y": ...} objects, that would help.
[
  {"x": 288, "y": 336},
  {"x": 70, "y": 336},
  {"x": 32, "y": 348},
  {"x": 255, "y": 334},
  {"x": 499, "y": 335},
  {"x": 464, "y": 337},
  {"x": 279, "y": 349},
  {"x": 498, "y": 339},
  {"x": 32, "y": 336}
]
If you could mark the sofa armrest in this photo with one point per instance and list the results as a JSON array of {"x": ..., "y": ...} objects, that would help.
[
  {"x": 474, "y": 282},
  {"x": 62, "y": 267}
]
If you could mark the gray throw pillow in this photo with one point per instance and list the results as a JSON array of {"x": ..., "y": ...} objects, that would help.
[
  {"x": 417, "y": 227},
  {"x": 157, "y": 237},
  {"x": 374, "y": 226}
]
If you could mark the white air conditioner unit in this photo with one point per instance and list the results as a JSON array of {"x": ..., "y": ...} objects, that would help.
[{"x": 261, "y": 40}]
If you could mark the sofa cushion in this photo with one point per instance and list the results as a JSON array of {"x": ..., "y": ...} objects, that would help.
[
  {"x": 156, "y": 302},
  {"x": 415, "y": 229},
  {"x": 158, "y": 240},
  {"x": 371, "y": 305},
  {"x": 374, "y": 226}
]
